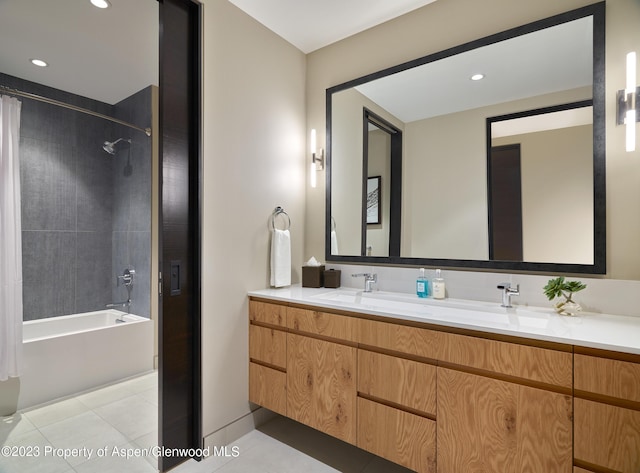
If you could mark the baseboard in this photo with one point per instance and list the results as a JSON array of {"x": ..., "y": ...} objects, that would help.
[{"x": 239, "y": 427}]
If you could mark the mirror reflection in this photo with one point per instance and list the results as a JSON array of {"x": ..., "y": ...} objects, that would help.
[
  {"x": 548, "y": 149},
  {"x": 382, "y": 147},
  {"x": 457, "y": 201}
]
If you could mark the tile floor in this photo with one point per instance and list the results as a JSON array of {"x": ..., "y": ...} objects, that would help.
[
  {"x": 124, "y": 416},
  {"x": 284, "y": 446},
  {"x": 121, "y": 415}
]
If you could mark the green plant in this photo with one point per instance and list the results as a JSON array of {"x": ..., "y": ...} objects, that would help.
[{"x": 559, "y": 287}]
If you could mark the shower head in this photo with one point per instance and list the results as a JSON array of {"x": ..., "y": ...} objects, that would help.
[{"x": 110, "y": 147}]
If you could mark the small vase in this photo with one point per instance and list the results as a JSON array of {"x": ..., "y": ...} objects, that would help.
[{"x": 567, "y": 307}]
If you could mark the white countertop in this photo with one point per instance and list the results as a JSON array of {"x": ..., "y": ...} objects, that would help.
[{"x": 608, "y": 332}]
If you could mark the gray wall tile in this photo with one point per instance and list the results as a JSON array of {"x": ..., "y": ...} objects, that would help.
[
  {"x": 93, "y": 271},
  {"x": 86, "y": 214},
  {"x": 48, "y": 193},
  {"x": 48, "y": 273},
  {"x": 94, "y": 191}
]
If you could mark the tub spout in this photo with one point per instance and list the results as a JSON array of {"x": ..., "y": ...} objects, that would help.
[
  {"x": 119, "y": 304},
  {"x": 126, "y": 304}
]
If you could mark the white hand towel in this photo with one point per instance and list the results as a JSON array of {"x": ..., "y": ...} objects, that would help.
[
  {"x": 334, "y": 243},
  {"x": 280, "y": 258}
]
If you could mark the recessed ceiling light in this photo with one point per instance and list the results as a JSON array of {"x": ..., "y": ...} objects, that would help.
[
  {"x": 477, "y": 77},
  {"x": 100, "y": 3},
  {"x": 39, "y": 62}
]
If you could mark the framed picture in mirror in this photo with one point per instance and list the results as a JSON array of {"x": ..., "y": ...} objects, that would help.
[{"x": 374, "y": 210}]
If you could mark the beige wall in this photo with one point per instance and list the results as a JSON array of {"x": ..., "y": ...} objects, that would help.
[
  {"x": 444, "y": 207},
  {"x": 260, "y": 101},
  {"x": 347, "y": 197},
  {"x": 557, "y": 194},
  {"x": 347, "y": 164},
  {"x": 441, "y": 220},
  {"x": 379, "y": 164},
  {"x": 253, "y": 160},
  {"x": 429, "y": 30}
]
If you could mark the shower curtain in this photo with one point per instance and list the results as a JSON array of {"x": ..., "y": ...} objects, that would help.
[{"x": 10, "y": 240}]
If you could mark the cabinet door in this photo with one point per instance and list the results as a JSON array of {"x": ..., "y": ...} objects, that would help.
[
  {"x": 321, "y": 385},
  {"x": 490, "y": 425}
]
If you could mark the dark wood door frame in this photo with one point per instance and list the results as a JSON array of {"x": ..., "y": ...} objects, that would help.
[
  {"x": 179, "y": 328},
  {"x": 395, "y": 187}
]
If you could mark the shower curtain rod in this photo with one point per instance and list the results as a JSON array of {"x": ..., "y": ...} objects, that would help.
[{"x": 40, "y": 98}]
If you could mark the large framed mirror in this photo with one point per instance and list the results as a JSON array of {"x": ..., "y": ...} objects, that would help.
[{"x": 502, "y": 170}]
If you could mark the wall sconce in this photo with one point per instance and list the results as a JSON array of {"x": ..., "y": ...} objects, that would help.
[
  {"x": 317, "y": 159},
  {"x": 628, "y": 105}
]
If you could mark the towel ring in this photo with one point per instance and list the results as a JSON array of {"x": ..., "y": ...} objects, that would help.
[{"x": 279, "y": 211}]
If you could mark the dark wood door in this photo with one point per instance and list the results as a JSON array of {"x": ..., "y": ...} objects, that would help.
[
  {"x": 179, "y": 318},
  {"x": 505, "y": 204}
]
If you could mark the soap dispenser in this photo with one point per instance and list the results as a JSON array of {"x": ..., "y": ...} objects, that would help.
[
  {"x": 422, "y": 285},
  {"x": 438, "y": 286}
]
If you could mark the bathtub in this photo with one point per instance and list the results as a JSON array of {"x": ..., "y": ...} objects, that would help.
[{"x": 74, "y": 353}]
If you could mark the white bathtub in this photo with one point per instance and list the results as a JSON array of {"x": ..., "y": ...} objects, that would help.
[{"x": 74, "y": 353}]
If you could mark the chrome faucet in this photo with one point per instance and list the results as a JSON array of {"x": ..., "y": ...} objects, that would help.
[
  {"x": 126, "y": 304},
  {"x": 507, "y": 292},
  {"x": 127, "y": 279},
  {"x": 369, "y": 280}
]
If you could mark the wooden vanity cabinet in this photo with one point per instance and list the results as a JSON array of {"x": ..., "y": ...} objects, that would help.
[
  {"x": 607, "y": 411},
  {"x": 440, "y": 400},
  {"x": 268, "y": 356},
  {"x": 501, "y": 406}
]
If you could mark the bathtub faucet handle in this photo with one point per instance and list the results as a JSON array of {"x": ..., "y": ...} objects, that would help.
[{"x": 127, "y": 277}]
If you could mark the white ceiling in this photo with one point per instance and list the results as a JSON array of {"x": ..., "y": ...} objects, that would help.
[
  {"x": 311, "y": 25},
  {"x": 103, "y": 54},
  {"x": 546, "y": 61},
  {"x": 109, "y": 54}
]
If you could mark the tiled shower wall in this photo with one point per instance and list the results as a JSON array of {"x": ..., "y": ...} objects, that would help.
[
  {"x": 131, "y": 231},
  {"x": 71, "y": 207}
]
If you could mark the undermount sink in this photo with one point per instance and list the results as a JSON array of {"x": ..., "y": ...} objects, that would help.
[
  {"x": 371, "y": 299},
  {"x": 465, "y": 312}
]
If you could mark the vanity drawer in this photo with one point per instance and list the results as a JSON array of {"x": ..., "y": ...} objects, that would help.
[
  {"x": 615, "y": 378},
  {"x": 266, "y": 313},
  {"x": 607, "y": 436},
  {"x": 403, "y": 382},
  {"x": 268, "y": 346},
  {"x": 400, "y": 338},
  {"x": 543, "y": 365},
  {"x": 268, "y": 388},
  {"x": 398, "y": 436},
  {"x": 309, "y": 321}
]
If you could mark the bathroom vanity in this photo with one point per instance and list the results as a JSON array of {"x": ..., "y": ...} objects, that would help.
[{"x": 451, "y": 386}]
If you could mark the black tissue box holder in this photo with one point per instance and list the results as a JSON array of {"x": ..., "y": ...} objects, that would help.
[
  {"x": 332, "y": 278},
  {"x": 313, "y": 276}
]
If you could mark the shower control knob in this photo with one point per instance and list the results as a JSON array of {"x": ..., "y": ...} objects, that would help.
[{"x": 127, "y": 277}]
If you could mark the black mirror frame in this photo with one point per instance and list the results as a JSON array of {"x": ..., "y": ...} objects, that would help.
[{"x": 596, "y": 10}]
